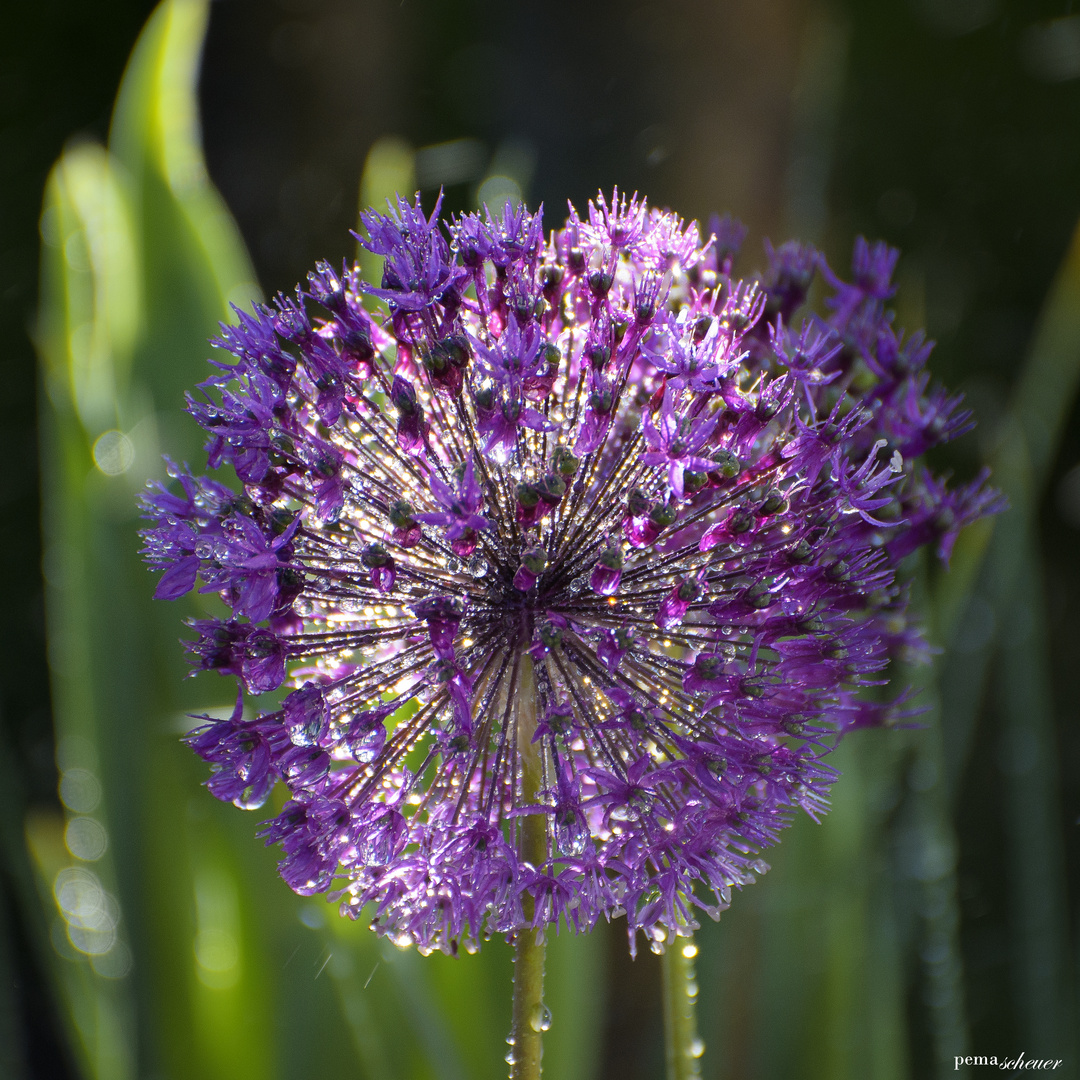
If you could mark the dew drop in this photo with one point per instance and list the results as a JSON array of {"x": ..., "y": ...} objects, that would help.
[
  {"x": 453, "y": 565},
  {"x": 689, "y": 950},
  {"x": 540, "y": 1018},
  {"x": 657, "y": 947},
  {"x": 478, "y": 567},
  {"x": 696, "y": 1048}
]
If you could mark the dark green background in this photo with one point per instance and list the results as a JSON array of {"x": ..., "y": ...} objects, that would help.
[{"x": 931, "y": 125}]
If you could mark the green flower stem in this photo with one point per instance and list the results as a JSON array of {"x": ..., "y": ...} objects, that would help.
[
  {"x": 684, "y": 1048},
  {"x": 529, "y": 1015}
]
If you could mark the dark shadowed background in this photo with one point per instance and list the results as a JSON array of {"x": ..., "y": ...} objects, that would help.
[{"x": 950, "y": 128}]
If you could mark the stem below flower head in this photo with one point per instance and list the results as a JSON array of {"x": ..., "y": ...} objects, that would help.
[
  {"x": 684, "y": 1048},
  {"x": 529, "y": 1014}
]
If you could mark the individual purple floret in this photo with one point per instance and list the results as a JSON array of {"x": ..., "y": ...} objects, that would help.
[{"x": 663, "y": 501}]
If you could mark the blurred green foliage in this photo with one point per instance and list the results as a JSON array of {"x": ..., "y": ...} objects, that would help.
[{"x": 175, "y": 951}]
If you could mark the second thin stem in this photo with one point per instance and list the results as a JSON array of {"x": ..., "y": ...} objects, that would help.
[{"x": 684, "y": 1047}]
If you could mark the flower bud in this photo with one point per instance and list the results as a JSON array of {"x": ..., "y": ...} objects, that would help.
[
  {"x": 403, "y": 395},
  {"x": 775, "y": 502},
  {"x": 376, "y": 556},
  {"x": 550, "y": 278},
  {"x": 664, "y": 515},
  {"x": 564, "y": 462},
  {"x": 600, "y": 283},
  {"x": 527, "y": 495},
  {"x": 551, "y": 488},
  {"x": 727, "y": 464}
]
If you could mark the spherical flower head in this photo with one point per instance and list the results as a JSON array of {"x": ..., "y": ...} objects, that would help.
[{"x": 598, "y": 467}]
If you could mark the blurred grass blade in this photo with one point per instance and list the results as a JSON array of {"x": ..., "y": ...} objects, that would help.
[
  {"x": 86, "y": 332},
  {"x": 134, "y": 283},
  {"x": 1032, "y": 816},
  {"x": 1001, "y": 591},
  {"x": 987, "y": 557},
  {"x": 389, "y": 170},
  {"x": 155, "y": 134}
]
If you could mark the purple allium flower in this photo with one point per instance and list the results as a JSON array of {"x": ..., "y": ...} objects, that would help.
[{"x": 598, "y": 458}]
